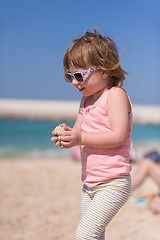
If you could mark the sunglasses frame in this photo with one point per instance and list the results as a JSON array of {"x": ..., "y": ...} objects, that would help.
[{"x": 82, "y": 73}]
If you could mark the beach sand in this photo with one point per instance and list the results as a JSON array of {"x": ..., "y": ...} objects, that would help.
[{"x": 40, "y": 198}]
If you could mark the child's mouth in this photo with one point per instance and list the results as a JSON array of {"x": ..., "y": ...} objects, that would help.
[{"x": 81, "y": 89}]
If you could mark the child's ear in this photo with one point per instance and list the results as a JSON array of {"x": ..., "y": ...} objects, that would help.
[{"x": 104, "y": 75}]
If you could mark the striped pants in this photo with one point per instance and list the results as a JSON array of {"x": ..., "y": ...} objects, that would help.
[{"x": 100, "y": 204}]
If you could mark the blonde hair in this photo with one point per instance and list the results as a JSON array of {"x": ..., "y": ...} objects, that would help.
[{"x": 95, "y": 50}]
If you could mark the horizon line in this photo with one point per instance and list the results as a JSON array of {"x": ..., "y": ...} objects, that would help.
[{"x": 66, "y": 110}]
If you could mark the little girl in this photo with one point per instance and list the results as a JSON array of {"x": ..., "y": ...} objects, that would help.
[{"x": 102, "y": 129}]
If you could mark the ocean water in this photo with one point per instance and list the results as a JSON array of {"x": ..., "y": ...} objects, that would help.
[{"x": 32, "y": 138}]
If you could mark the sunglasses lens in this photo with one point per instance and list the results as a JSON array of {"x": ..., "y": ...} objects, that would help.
[
  {"x": 68, "y": 78},
  {"x": 78, "y": 77}
]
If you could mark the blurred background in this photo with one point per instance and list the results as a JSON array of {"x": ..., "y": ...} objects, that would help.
[{"x": 34, "y": 36}]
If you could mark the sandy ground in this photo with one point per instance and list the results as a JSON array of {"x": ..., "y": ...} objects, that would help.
[{"x": 39, "y": 200}]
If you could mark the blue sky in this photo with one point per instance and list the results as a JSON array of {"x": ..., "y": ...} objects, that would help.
[{"x": 34, "y": 34}]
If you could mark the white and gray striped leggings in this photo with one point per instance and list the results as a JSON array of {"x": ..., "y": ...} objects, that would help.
[{"x": 100, "y": 204}]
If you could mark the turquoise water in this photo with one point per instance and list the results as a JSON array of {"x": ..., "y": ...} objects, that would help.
[{"x": 32, "y": 138}]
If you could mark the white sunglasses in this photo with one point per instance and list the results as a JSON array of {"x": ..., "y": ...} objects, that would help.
[{"x": 78, "y": 76}]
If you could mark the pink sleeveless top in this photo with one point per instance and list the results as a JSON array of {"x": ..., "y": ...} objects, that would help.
[{"x": 102, "y": 164}]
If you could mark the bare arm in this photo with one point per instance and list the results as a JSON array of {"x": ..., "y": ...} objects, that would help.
[{"x": 118, "y": 109}]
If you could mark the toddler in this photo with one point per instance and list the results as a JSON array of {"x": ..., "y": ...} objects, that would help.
[{"x": 102, "y": 130}]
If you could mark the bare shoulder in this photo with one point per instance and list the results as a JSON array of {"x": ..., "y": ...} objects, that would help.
[
  {"x": 117, "y": 92},
  {"x": 119, "y": 97}
]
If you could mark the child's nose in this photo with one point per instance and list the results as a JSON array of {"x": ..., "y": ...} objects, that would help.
[{"x": 74, "y": 82}]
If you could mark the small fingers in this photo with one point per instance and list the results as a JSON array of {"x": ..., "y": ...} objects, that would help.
[
  {"x": 64, "y": 138},
  {"x": 65, "y": 144},
  {"x": 54, "y": 139},
  {"x": 67, "y": 128},
  {"x": 59, "y": 138},
  {"x": 58, "y": 144}
]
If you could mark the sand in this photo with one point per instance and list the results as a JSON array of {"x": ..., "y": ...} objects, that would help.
[{"x": 39, "y": 200}]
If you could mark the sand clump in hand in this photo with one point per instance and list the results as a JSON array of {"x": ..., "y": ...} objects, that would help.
[{"x": 59, "y": 129}]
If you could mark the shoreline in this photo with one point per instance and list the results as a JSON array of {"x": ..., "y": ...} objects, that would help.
[{"x": 50, "y": 110}]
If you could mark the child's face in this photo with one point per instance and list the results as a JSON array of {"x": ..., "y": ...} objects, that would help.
[{"x": 94, "y": 81}]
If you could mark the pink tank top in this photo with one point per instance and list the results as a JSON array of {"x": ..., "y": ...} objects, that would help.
[{"x": 102, "y": 164}]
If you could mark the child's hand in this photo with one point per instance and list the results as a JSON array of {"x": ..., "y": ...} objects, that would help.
[
  {"x": 69, "y": 138},
  {"x": 56, "y": 133},
  {"x": 55, "y": 139}
]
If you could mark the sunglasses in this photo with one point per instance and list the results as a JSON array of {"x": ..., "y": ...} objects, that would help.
[{"x": 78, "y": 76}]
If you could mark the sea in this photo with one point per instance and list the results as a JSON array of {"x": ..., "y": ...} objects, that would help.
[{"x": 22, "y": 138}]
